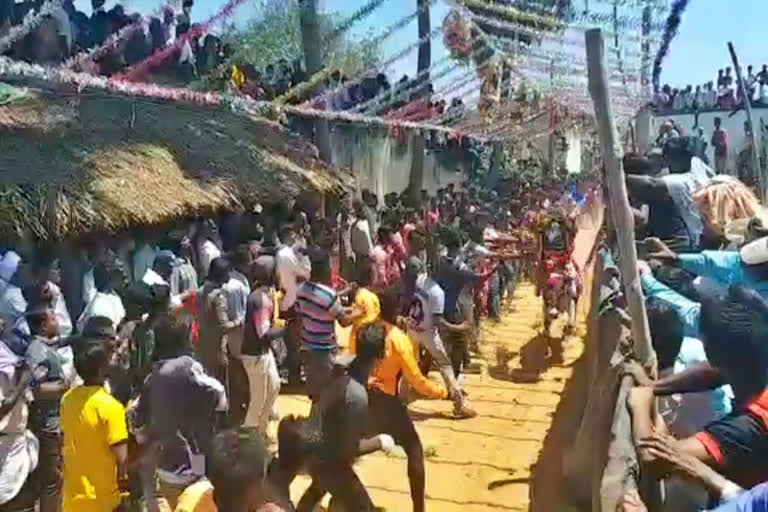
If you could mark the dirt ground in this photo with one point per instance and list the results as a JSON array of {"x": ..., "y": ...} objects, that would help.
[
  {"x": 529, "y": 392},
  {"x": 508, "y": 458}
]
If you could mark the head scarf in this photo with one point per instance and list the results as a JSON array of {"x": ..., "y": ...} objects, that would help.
[{"x": 9, "y": 265}]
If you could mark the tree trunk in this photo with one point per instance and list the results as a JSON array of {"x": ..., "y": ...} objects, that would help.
[
  {"x": 416, "y": 178},
  {"x": 313, "y": 57}
]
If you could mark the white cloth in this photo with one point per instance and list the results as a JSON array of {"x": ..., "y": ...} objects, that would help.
[
  {"x": 681, "y": 188},
  {"x": 208, "y": 253},
  {"x": 103, "y": 304},
  {"x": 187, "y": 55},
  {"x": 63, "y": 24},
  {"x": 60, "y": 309},
  {"x": 143, "y": 259},
  {"x": 360, "y": 237},
  {"x": 12, "y": 303},
  {"x": 291, "y": 268},
  {"x": 264, "y": 383},
  {"x": 237, "y": 297},
  {"x": 89, "y": 287},
  {"x": 686, "y": 414},
  {"x": 428, "y": 301},
  {"x": 9, "y": 264},
  {"x": 18, "y": 446}
]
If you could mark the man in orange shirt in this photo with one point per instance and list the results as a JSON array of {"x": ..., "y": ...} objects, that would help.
[{"x": 386, "y": 413}]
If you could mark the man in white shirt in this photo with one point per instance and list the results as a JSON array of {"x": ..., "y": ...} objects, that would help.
[
  {"x": 18, "y": 446},
  {"x": 360, "y": 238},
  {"x": 105, "y": 301},
  {"x": 292, "y": 268},
  {"x": 425, "y": 314},
  {"x": 143, "y": 259},
  {"x": 12, "y": 302},
  {"x": 208, "y": 252}
]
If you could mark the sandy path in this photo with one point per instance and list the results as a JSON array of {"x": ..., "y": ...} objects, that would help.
[
  {"x": 529, "y": 394},
  {"x": 488, "y": 463}
]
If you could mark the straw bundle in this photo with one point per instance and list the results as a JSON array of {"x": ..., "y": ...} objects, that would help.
[
  {"x": 70, "y": 163},
  {"x": 724, "y": 200}
]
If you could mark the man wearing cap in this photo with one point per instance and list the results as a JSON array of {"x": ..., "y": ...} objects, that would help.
[
  {"x": 12, "y": 303},
  {"x": 425, "y": 314}
]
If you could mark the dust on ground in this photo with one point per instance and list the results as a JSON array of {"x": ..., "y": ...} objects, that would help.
[{"x": 509, "y": 457}]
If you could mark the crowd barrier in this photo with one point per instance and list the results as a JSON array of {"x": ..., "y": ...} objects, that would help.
[{"x": 601, "y": 465}]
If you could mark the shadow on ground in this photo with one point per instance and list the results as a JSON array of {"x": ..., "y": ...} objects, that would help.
[{"x": 538, "y": 355}]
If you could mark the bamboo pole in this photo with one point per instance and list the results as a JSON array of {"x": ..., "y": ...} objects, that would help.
[
  {"x": 753, "y": 129},
  {"x": 617, "y": 192}
]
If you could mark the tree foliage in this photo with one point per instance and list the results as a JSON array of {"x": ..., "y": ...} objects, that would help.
[{"x": 275, "y": 33}]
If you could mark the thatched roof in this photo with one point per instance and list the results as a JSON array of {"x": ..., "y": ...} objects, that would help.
[{"x": 71, "y": 164}]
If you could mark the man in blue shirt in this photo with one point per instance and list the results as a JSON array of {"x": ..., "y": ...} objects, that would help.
[{"x": 746, "y": 266}]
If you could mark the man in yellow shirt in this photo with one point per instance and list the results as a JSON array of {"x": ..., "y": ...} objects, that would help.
[
  {"x": 367, "y": 304},
  {"x": 386, "y": 413},
  {"x": 95, "y": 436}
]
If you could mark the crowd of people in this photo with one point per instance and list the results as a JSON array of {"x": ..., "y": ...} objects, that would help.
[
  {"x": 68, "y": 32},
  {"x": 703, "y": 272},
  {"x": 721, "y": 94},
  {"x": 143, "y": 370}
]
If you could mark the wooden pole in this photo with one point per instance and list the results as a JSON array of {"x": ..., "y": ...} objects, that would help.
[
  {"x": 753, "y": 129},
  {"x": 617, "y": 193}
]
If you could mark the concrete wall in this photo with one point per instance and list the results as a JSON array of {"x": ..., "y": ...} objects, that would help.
[
  {"x": 382, "y": 163},
  {"x": 734, "y": 126}
]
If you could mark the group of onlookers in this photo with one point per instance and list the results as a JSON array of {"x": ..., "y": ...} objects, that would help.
[
  {"x": 722, "y": 94},
  {"x": 126, "y": 363},
  {"x": 67, "y": 32},
  {"x": 703, "y": 272}
]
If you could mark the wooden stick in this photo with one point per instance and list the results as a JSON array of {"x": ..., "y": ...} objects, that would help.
[
  {"x": 617, "y": 192},
  {"x": 753, "y": 129}
]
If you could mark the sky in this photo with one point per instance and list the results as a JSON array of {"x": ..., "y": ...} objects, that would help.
[{"x": 694, "y": 57}]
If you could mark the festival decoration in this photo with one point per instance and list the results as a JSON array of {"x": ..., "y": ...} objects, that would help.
[
  {"x": 31, "y": 21},
  {"x": 457, "y": 35},
  {"x": 243, "y": 104},
  {"x": 670, "y": 32}
]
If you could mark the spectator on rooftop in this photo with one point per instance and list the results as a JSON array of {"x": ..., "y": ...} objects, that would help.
[
  {"x": 99, "y": 23},
  {"x": 184, "y": 18},
  {"x": 156, "y": 36},
  {"x": 168, "y": 26},
  {"x": 720, "y": 145},
  {"x": 728, "y": 79},
  {"x": 711, "y": 96},
  {"x": 698, "y": 98},
  {"x": 720, "y": 79},
  {"x": 762, "y": 78}
]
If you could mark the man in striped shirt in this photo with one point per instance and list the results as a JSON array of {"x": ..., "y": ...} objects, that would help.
[{"x": 318, "y": 308}]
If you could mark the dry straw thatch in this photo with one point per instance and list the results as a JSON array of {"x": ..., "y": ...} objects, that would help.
[{"x": 70, "y": 163}]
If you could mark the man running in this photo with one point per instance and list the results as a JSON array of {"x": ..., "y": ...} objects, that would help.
[
  {"x": 327, "y": 443},
  {"x": 425, "y": 315},
  {"x": 386, "y": 413}
]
